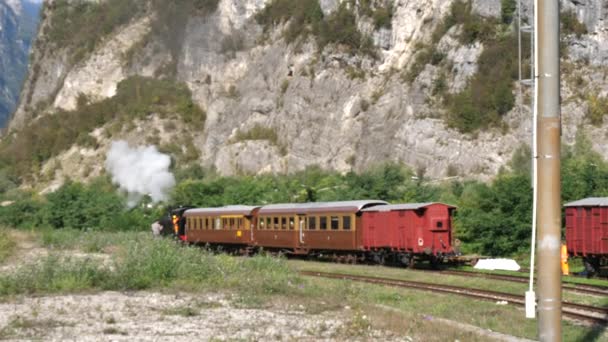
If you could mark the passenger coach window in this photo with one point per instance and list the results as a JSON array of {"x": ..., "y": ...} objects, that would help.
[
  {"x": 312, "y": 223},
  {"x": 261, "y": 223},
  {"x": 268, "y": 223},
  {"x": 323, "y": 223},
  {"x": 439, "y": 224},
  {"x": 283, "y": 223},
  {"x": 291, "y": 223},
  {"x": 218, "y": 223},
  {"x": 346, "y": 222},
  {"x": 335, "y": 223},
  {"x": 276, "y": 223}
]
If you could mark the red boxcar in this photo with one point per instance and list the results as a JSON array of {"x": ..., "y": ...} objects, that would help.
[
  {"x": 587, "y": 231},
  {"x": 410, "y": 229}
]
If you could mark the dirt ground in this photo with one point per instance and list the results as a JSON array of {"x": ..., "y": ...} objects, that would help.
[{"x": 146, "y": 316}]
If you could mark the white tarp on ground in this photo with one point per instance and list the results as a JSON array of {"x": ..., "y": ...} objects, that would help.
[{"x": 497, "y": 264}]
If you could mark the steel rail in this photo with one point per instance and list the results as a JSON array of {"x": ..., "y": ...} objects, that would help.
[
  {"x": 580, "y": 288},
  {"x": 571, "y": 310}
]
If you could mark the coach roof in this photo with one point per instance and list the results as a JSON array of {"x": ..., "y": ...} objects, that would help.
[
  {"x": 405, "y": 206},
  {"x": 244, "y": 210},
  {"x": 589, "y": 202},
  {"x": 317, "y": 207}
]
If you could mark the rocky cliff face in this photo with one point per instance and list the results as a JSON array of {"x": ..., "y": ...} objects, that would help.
[
  {"x": 18, "y": 22},
  {"x": 325, "y": 107}
]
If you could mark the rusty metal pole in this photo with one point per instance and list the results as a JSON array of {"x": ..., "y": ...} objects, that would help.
[{"x": 549, "y": 188}]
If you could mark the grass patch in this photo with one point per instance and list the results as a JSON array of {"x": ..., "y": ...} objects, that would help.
[
  {"x": 7, "y": 245},
  {"x": 20, "y": 327},
  {"x": 149, "y": 263},
  {"x": 136, "y": 98}
]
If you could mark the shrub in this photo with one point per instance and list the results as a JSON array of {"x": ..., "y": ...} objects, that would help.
[
  {"x": 383, "y": 16},
  {"x": 597, "y": 108},
  {"x": 571, "y": 25},
  {"x": 303, "y": 16},
  {"x": 508, "y": 8}
]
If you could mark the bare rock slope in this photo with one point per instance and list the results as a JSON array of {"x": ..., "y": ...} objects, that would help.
[{"x": 328, "y": 108}]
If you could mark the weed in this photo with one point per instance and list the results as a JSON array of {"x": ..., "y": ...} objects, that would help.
[
  {"x": 284, "y": 86},
  {"x": 258, "y": 132},
  {"x": 114, "y": 331},
  {"x": 184, "y": 311}
]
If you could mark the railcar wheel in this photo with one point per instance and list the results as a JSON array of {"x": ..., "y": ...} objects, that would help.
[{"x": 592, "y": 266}]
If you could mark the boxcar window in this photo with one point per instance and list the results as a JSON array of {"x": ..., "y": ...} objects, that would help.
[
  {"x": 335, "y": 223},
  {"x": 323, "y": 222},
  {"x": 346, "y": 222},
  {"x": 276, "y": 223},
  {"x": 283, "y": 223},
  {"x": 312, "y": 223},
  {"x": 291, "y": 223}
]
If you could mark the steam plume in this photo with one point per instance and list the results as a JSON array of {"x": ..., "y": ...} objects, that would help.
[{"x": 140, "y": 171}]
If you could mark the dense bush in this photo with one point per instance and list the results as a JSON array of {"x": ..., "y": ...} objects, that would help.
[
  {"x": 97, "y": 206},
  {"x": 306, "y": 18},
  {"x": 71, "y": 23},
  {"x": 489, "y": 94},
  {"x": 136, "y": 98}
]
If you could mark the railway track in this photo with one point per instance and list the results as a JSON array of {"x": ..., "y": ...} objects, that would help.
[
  {"x": 579, "y": 288},
  {"x": 580, "y": 312}
]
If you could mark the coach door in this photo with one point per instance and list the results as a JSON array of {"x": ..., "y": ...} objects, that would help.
[{"x": 301, "y": 226}]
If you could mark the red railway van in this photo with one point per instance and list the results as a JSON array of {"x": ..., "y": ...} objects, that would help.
[
  {"x": 413, "y": 228},
  {"x": 587, "y": 228}
]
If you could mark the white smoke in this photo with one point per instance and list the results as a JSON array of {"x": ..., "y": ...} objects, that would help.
[{"x": 140, "y": 171}]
